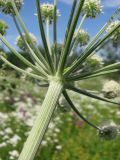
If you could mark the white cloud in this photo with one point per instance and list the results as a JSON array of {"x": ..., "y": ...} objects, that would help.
[{"x": 111, "y": 3}]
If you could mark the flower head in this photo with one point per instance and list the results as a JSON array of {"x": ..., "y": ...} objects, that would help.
[
  {"x": 116, "y": 35},
  {"x": 6, "y": 6},
  {"x": 108, "y": 131},
  {"x": 92, "y": 8},
  {"x": 82, "y": 37},
  {"x": 48, "y": 12},
  {"x": 3, "y": 27},
  {"x": 111, "y": 89},
  {"x": 20, "y": 42}
]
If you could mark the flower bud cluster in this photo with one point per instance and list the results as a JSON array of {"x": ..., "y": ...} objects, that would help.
[
  {"x": 6, "y": 6},
  {"x": 3, "y": 27},
  {"x": 115, "y": 37},
  {"x": 111, "y": 89},
  {"x": 82, "y": 37},
  {"x": 21, "y": 44},
  {"x": 48, "y": 12},
  {"x": 92, "y": 8}
]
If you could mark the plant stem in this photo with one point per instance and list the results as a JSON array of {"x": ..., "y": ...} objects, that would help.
[
  {"x": 48, "y": 35},
  {"x": 44, "y": 116}
]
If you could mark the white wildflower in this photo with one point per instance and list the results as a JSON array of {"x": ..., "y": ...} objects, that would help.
[
  {"x": 14, "y": 140},
  {"x": 58, "y": 147},
  {"x": 14, "y": 154}
]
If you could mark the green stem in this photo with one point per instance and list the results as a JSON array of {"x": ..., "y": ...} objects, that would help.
[
  {"x": 48, "y": 35},
  {"x": 44, "y": 116}
]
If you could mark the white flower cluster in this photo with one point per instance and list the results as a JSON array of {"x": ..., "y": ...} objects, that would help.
[
  {"x": 108, "y": 131},
  {"x": 92, "y": 8},
  {"x": 6, "y": 6},
  {"x": 48, "y": 12},
  {"x": 82, "y": 37},
  {"x": 115, "y": 37},
  {"x": 111, "y": 89},
  {"x": 21, "y": 44}
]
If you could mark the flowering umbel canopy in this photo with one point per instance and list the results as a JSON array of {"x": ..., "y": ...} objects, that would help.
[
  {"x": 3, "y": 27},
  {"x": 6, "y": 6},
  {"x": 92, "y": 8},
  {"x": 48, "y": 12},
  {"x": 20, "y": 42},
  {"x": 116, "y": 36}
]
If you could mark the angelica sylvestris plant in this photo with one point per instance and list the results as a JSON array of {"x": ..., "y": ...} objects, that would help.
[
  {"x": 51, "y": 70},
  {"x": 3, "y": 27}
]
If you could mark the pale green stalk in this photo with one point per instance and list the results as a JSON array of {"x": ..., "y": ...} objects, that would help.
[
  {"x": 40, "y": 125},
  {"x": 22, "y": 71},
  {"x": 31, "y": 52},
  {"x": 48, "y": 35}
]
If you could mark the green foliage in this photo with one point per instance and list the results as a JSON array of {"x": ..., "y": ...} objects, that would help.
[{"x": 3, "y": 27}]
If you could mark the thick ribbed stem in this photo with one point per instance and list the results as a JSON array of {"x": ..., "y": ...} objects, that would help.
[{"x": 36, "y": 135}]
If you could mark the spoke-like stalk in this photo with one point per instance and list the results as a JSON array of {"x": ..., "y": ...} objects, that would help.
[
  {"x": 31, "y": 52},
  {"x": 21, "y": 70},
  {"x": 65, "y": 52},
  {"x": 86, "y": 93},
  {"x": 48, "y": 35},
  {"x": 77, "y": 111},
  {"x": 74, "y": 43},
  {"x": 55, "y": 34},
  {"x": 37, "y": 51},
  {"x": 46, "y": 47},
  {"x": 44, "y": 116}
]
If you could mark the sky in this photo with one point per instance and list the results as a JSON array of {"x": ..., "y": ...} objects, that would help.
[{"x": 64, "y": 6}]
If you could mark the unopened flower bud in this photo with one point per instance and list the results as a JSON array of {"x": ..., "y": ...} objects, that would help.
[{"x": 63, "y": 105}]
